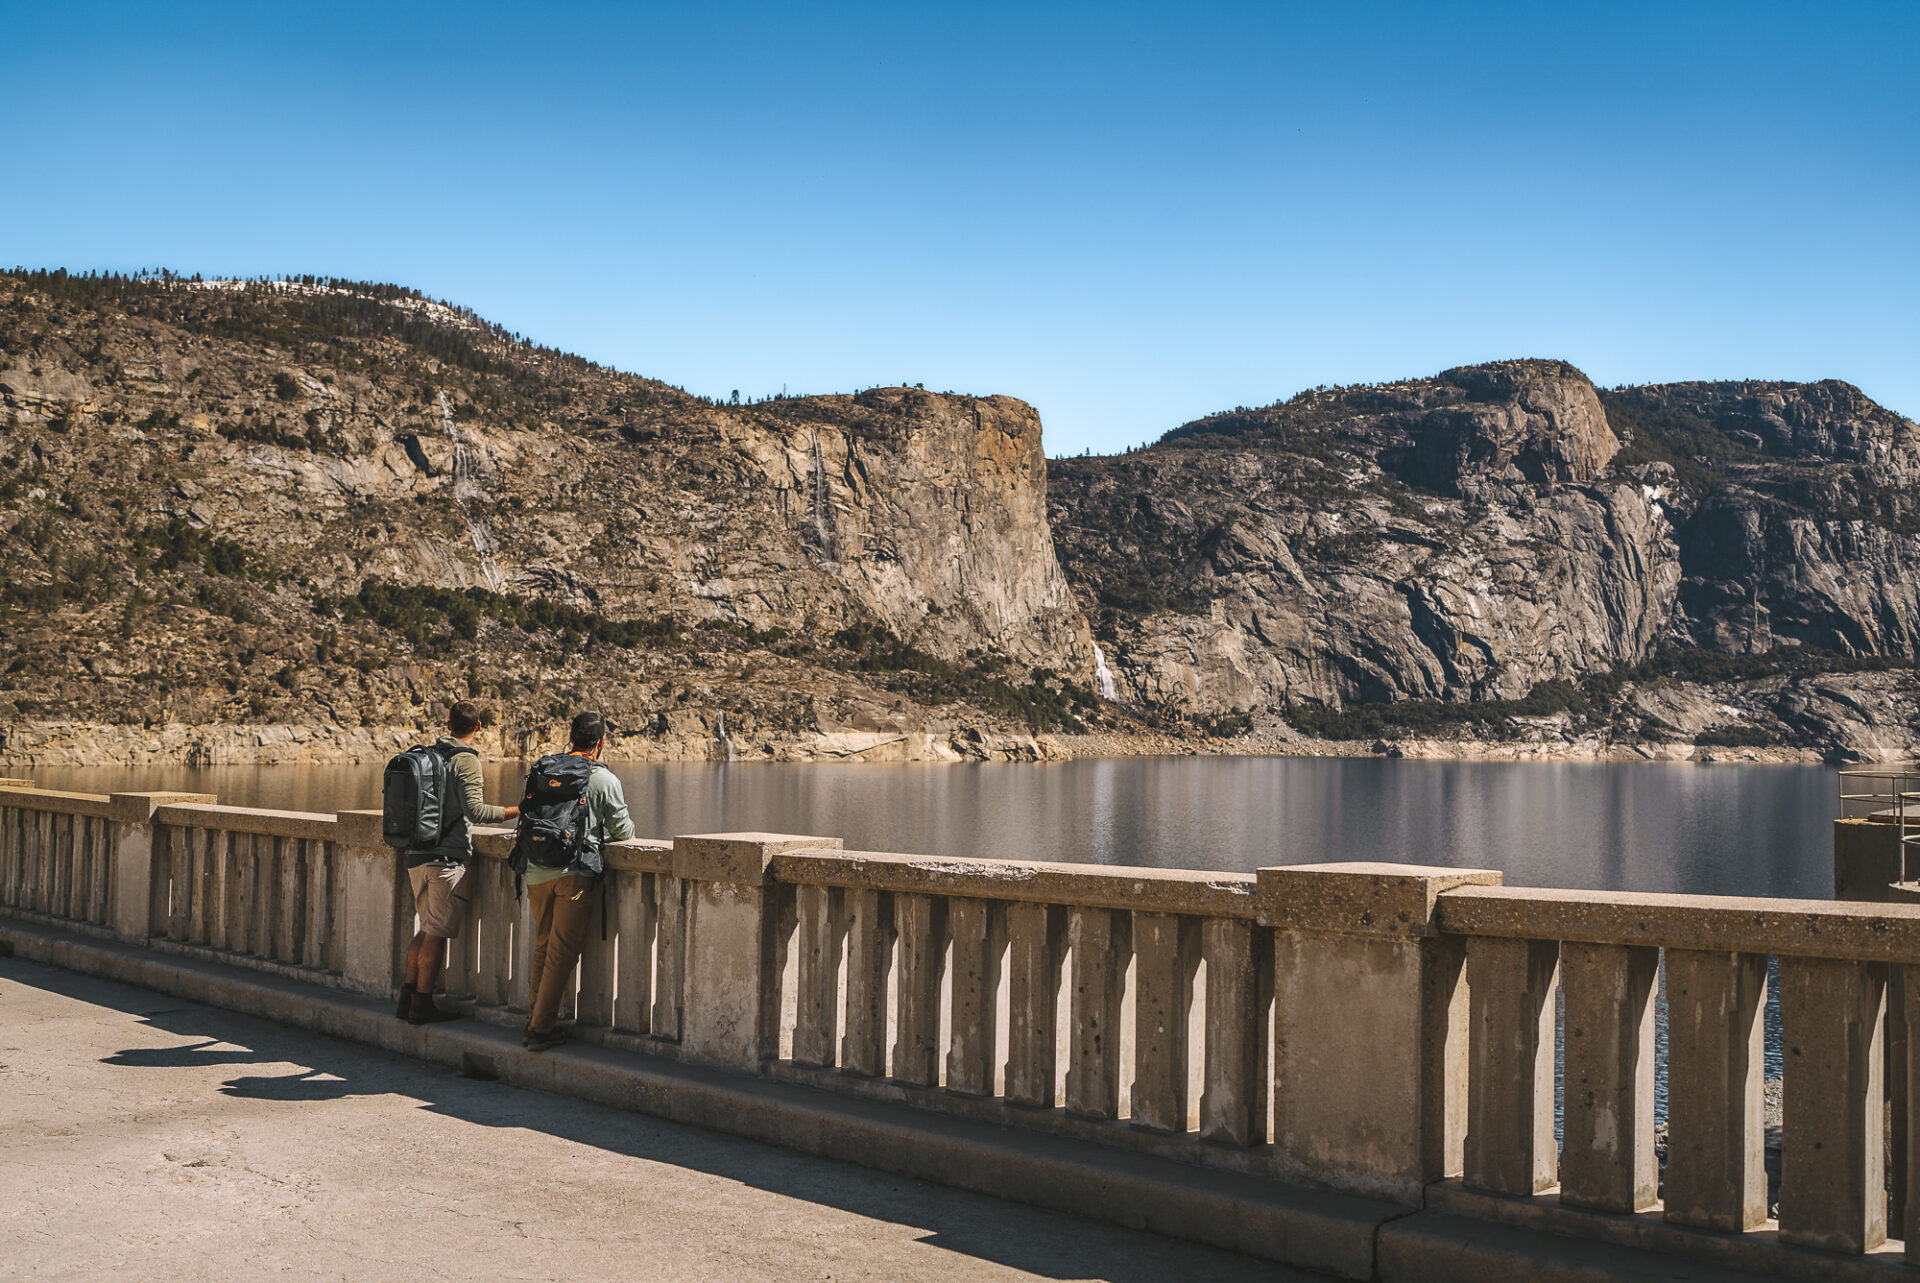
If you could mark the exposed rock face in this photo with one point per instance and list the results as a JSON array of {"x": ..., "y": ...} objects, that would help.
[
  {"x": 1824, "y": 422},
  {"x": 292, "y": 523},
  {"x": 1302, "y": 566},
  {"x": 938, "y": 527},
  {"x": 198, "y": 484},
  {"x": 1471, "y": 536}
]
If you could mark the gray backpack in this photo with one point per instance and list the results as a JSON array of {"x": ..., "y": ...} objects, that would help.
[{"x": 420, "y": 800}]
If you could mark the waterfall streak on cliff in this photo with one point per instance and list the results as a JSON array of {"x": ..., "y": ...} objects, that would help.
[
  {"x": 1103, "y": 676},
  {"x": 470, "y": 498}
]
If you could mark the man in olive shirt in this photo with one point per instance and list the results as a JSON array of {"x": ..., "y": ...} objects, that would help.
[
  {"x": 439, "y": 873},
  {"x": 561, "y": 901}
]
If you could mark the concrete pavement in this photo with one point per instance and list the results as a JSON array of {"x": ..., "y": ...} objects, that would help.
[{"x": 147, "y": 1136}]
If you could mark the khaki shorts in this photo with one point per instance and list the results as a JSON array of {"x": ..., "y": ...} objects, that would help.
[{"x": 440, "y": 895}]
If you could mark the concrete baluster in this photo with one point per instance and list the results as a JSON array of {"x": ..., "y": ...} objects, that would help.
[
  {"x": 869, "y": 963},
  {"x": 920, "y": 924},
  {"x": 734, "y": 924},
  {"x": 9, "y": 853},
  {"x": 104, "y": 850},
  {"x": 379, "y": 863},
  {"x": 1233, "y": 1097},
  {"x": 60, "y": 879},
  {"x": 594, "y": 1005},
  {"x": 289, "y": 900},
  {"x": 226, "y": 888},
  {"x": 1866, "y": 867},
  {"x": 1909, "y": 1222},
  {"x": 1370, "y": 1037},
  {"x": 456, "y": 972},
  {"x": 817, "y": 1012},
  {"x": 1608, "y": 1162},
  {"x": 1100, "y": 942},
  {"x": 1510, "y": 1146},
  {"x": 495, "y": 911},
  {"x": 80, "y": 900},
  {"x": 1166, "y": 950},
  {"x": 71, "y": 897},
  {"x": 633, "y": 909},
  {"x": 670, "y": 965},
  {"x": 138, "y": 900},
  {"x": 43, "y": 863},
  {"x": 1715, "y": 1178},
  {"x": 176, "y": 845},
  {"x": 1036, "y": 936},
  {"x": 200, "y": 884},
  {"x": 259, "y": 892},
  {"x": 1833, "y": 1152},
  {"x": 978, "y": 929}
]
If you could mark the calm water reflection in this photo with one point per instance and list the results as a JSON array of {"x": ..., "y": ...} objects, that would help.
[{"x": 1757, "y": 830}]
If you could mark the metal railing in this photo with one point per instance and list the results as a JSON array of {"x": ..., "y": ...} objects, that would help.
[{"x": 1889, "y": 794}]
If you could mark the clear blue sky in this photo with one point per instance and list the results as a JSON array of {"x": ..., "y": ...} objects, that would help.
[{"x": 1128, "y": 214}]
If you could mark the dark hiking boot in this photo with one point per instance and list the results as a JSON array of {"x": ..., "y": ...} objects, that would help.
[
  {"x": 428, "y": 1012},
  {"x": 404, "y": 1009},
  {"x": 545, "y": 1042}
]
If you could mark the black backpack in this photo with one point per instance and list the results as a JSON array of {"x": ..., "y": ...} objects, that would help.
[
  {"x": 554, "y": 819},
  {"x": 419, "y": 798}
]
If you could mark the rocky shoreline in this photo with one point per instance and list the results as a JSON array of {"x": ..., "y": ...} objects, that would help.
[{"x": 176, "y": 744}]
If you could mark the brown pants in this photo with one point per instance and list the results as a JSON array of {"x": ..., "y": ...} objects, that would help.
[{"x": 562, "y": 910}]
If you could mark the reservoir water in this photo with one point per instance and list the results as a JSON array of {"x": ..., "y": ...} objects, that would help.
[{"x": 1714, "y": 829}]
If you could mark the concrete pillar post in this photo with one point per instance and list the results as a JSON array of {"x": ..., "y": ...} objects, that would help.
[
  {"x": 1037, "y": 944},
  {"x": 1866, "y": 867},
  {"x": 731, "y": 1007},
  {"x": 372, "y": 907},
  {"x": 1833, "y": 1158},
  {"x": 137, "y": 897},
  {"x": 1866, "y": 859},
  {"x": 1101, "y": 942},
  {"x": 1510, "y": 1146},
  {"x": 1906, "y": 1214},
  {"x": 1369, "y": 1026},
  {"x": 1608, "y": 1162},
  {"x": 1715, "y": 1178}
]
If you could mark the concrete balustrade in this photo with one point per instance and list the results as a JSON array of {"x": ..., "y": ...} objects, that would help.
[
  {"x": 627, "y": 984},
  {"x": 1376, "y": 1032},
  {"x": 1369, "y": 1061}
]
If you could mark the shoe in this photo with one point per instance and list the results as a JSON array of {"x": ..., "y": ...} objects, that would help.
[
  {"x": 428, "y": 1012},
  {"x": 545, "y": 1042},
  {"x": 404, "y": 1009}
]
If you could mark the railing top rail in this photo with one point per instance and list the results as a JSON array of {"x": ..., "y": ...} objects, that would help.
[
  {"x": 34, "y": 799},
  {"x": 1857, "y": 932},
  {"x": 1213, "y": 895},
  {"x": 635, "y": 855},
  {"x": 310, "y": 825}
]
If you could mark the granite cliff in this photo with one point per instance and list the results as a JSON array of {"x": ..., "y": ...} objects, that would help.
[
  {"x": 296, "y": 519},
  {"x": 291, "y": 521},
  {"x": 1506, "y": 552}
]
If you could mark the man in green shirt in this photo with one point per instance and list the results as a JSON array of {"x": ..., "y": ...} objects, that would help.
[
  {"x": 439, "y": 873},
  {"x": 561, "y": 901}
]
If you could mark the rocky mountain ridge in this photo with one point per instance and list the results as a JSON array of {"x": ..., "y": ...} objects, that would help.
[
  {"x": 1735, "y": 564},
  {"x": 293, "y": 520},
  {"x": 298, "y": 519}
]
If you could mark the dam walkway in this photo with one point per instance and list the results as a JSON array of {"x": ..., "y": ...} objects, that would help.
[{"x": 145, "y": 1136}]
